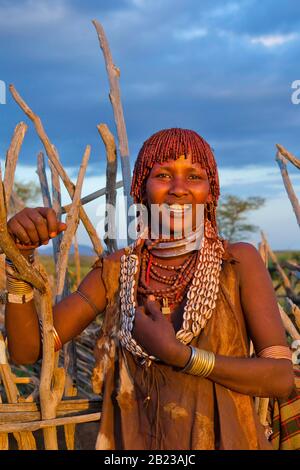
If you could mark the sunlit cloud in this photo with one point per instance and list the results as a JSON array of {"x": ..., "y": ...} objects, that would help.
[
  {"x": 273, "y": 40},
  {"x": 189, "y": 34}
]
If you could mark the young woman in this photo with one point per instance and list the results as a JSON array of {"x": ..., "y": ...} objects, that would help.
[{"x": 173, "y": 359}]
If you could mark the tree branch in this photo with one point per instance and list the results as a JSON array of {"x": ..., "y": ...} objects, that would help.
[
  {"x": 71, "y": 221},
  {"x": 288, "y": 185},
  {"x": 111, "y": 193},
  {"x": 289, "y": 156},
  {"x": 12, "y": 156},
  {"x": 113, "y": 73}
]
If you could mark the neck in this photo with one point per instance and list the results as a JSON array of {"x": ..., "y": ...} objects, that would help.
[{"x": 170, "y": 248}]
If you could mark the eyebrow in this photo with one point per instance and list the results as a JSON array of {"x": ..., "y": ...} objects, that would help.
[{"x": 168, "y": 168}]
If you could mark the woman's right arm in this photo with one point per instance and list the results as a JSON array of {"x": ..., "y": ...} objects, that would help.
[{"x": 70, "y": 316}]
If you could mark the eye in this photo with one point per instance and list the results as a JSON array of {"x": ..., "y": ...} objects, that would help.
[
  {"x": 196, "y": 177},
  {"x": 163, "y": 175}
]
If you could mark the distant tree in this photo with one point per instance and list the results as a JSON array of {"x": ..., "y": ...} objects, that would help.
[
  {"x": 27, "y": 192},
  {"x": 232, "y": 216},
  {"x": 22, "y": 195}
]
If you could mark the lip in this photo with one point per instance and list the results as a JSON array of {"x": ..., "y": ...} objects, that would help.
[{"x": 177, "y": 208}]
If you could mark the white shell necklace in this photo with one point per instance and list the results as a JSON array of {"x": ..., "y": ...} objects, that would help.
[{"x": 201, "y": 296}]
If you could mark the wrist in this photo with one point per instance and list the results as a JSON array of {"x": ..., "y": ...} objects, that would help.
[{"x": 182, "y": 354}]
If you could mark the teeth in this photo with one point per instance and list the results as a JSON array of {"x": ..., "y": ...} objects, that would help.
[{"x": 179, "y": 207}]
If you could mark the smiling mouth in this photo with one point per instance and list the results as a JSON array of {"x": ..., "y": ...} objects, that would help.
[{"x": 179, "y": 208}]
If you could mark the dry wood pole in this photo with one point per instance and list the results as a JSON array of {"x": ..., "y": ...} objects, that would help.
[
  {"x": 52, "y": 380},
  {"x": 72, "y": 222},
  {"x": 52, "y": 156},
  {"x": 286, "y": 282},
  {"x": 295, "y": 310},
  {"x": 289, "y": 156},
  {"x": 261, "y": 403},
  {"x": 24, "y": 439},
  {"x": 76, "y": 261},
  {"x": 69, "y": 349},
  {"x": 91, "y": 197},
  {"x": 110, "y": 193},
  {"x": 113, "y": 73},
  {"x": 288, "y": 185},
  {"x": 41, "y": 172},
  {"x": 12, "y": 156}
]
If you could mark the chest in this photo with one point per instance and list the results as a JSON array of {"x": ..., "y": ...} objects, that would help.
[{"x": 176, "y": 308}]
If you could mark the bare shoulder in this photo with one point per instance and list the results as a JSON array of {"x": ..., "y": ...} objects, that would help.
[
  {"x": 243, "y": 251},
  {"x": 116, "y": 255},
  {"x": 248, "y": 260}
]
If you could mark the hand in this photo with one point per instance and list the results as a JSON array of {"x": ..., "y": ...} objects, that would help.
[
  {"x": 32, "y": 227},
  {"x": 157, "y": 336}
]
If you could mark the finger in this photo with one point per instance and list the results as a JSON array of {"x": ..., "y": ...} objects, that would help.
[
  {"x": 51, "y": 218},
  {"x": 61, "y": 226},
  {"x": 18, "y": 232},
  {"x": 140, "y": 322},
  {"x": 40, "y": 224},
  {"x": 153, "y": 308},
  {"x": 30, "y": 229}
]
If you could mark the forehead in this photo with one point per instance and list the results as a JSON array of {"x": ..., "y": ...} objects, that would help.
[{"x": 182, "y": 161}]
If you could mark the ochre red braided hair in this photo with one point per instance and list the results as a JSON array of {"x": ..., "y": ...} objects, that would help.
[{"x": 170, "y": 144}]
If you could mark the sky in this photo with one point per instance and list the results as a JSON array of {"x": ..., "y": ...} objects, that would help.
[{"x": 224, "y": 69}]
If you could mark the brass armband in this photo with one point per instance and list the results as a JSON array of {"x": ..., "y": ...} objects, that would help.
[{"x": 200, "y": 363}]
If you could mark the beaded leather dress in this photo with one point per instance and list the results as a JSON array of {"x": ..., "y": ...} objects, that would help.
[{"x": 161, "y": 408}]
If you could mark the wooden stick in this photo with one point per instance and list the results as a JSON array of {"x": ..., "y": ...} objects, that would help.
[
  {"x": 288, "y": 185},
  {"x": 295, "y": 310},
  {"x": 91, "y": 197},
  {"x": 17, "y": 427},
  {"x": 72, "y": 222},
  {"x": 115, "y": 97},
  {"x": 286, "y": 281},
  {"x": 56, "y": 205},
  {"x": 263, "y": 251},
  {"x": 41, "y": 172},
  {"x": 51, "y": 380},
  {"x": 69, "y": 349},
  {"x": 64, "y": 407},
  {"x": 76, "y": 260},
  {"x": 288, "y": 155},
  {"x": 288, "y": 324},
  {"x": 25, "y": 440},
  {"x": 12, "y": 156},
  {"x": 52, "y": 156},
  {"x": 3, "y": 436},
  {"x": 111, "y": 193},
  {"x": 263, "y": 410}
]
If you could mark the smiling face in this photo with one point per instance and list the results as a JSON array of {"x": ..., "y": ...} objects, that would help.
[
  {"x": 193, "y": 180},
  {"x": 174, "y": 184}
]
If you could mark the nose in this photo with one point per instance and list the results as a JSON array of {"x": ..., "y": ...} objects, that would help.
[{"x": 178, "y": 187}]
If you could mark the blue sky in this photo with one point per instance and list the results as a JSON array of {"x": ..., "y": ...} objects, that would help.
[{"x": 222, "y": 68}]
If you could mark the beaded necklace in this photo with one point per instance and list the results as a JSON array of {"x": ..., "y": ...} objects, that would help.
[{"x": 201, "y": 295}]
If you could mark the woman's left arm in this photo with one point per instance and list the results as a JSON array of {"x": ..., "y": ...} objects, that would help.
[
  {"x": 256, "y": 376},
  {"x": 262, "y": 377}
]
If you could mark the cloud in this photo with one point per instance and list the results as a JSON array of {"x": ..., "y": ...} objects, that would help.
[
  {"x": 30, "y": 13},
  {"x": 190, "y": 34},
  {"x": 274, "y": 40}
]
